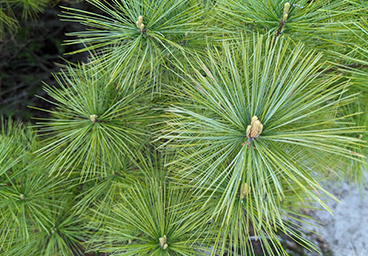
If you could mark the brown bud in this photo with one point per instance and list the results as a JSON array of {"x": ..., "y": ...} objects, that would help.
[
  {"x": 244, "y": 190},
  {"x": 255, "y": 129},
  {"x": 163, "y": 243},
  {"x": 139, "y": 23},
  {"x": 254, "y": 118},
  {"x": 286, "y": 8},
  {"x": 248, "y": 130},
  {"x": 93, "y": 118}
]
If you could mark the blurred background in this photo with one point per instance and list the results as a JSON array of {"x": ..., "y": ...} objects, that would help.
[{"x": 31, "y": 49}]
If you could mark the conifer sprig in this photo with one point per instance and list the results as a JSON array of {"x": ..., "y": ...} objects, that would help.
[
  {"x": 188, "y": 133},
  {"x": 298, "y": 106},
  {"x": 94, "y": 122},
  {"x": 320, "y": 24},
  {"x": 138, "y": 32},
  {"x": 64, "y": 233},
  {"x": 153, "y": 217}
]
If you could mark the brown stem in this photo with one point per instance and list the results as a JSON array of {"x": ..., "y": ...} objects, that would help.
[
  {"x": 278, "y": 32},
  {"x": 143, "y": 32}
]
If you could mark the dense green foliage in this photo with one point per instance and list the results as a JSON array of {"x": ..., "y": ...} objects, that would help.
[
  {"x": 194, "y": 128},
  {"x": 28, "y": 8}
]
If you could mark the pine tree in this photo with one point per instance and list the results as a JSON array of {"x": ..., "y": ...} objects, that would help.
[
  {"x": 194, "y": 128},
  {"x": 27, "y": 8}
]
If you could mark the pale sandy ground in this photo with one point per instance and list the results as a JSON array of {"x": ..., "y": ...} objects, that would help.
[{"x": 346, "y": 232}]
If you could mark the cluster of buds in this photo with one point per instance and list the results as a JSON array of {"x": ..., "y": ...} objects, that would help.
[
  {"x": 244, "y": 190},
  {"x": 163, "y": 243},
  {"x": 254, "y": 129},
  {"x": 286, "y": 12},
  {"x": 93, "y": 118},
  {"x": 140, "y": 24}
]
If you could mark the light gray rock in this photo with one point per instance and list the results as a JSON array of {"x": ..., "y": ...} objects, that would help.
[{"x": 346, "y": 231}]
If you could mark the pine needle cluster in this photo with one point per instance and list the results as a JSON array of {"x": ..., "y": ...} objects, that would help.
[
  {"x": 12, "y": 10},
  {"x": 194, "y": 128}
]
